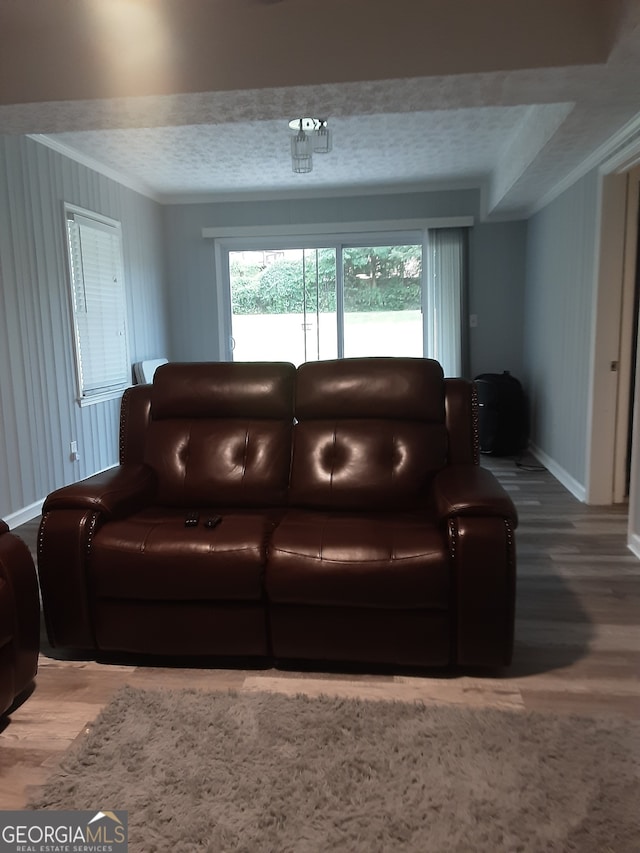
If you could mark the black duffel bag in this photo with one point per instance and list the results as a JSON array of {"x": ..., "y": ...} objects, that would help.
[{"x": 503, "y": 419}]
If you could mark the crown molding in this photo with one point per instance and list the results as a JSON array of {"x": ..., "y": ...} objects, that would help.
[
  {"x": 474, "y": 183},
  {"x": 611, "y": 153},
  {"x": 342, "y": 191},
  {"x": 94, "y": 165}
]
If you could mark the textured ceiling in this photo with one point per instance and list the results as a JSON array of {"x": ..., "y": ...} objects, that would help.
[
  {"x": 516, "y": 133},
  {"x": 369, "y": 150}
]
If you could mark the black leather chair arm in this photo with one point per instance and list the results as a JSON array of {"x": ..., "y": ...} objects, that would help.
[
  {"x": 469, "y": 490},
  {"x": 19, "y": 618}
]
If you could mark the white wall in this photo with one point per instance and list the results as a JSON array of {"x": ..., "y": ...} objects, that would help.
[
  {"x": 558, "y": 323},
  {"x": 39, "y": 415},
  {"x": 496, "y": 265},
  {"x": 496, "y": 296}
]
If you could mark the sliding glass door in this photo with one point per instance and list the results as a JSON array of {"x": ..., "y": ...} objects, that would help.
[
  {"x": 283, "y": 305},
  {"x": 348, "y": 298},
  {"x": 382, "y": 300}
]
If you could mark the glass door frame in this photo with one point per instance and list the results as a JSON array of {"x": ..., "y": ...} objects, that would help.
[{"x": 336, "y": 241}]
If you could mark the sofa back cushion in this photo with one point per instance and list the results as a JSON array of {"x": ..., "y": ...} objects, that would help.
[
  {"x": 220, "y": 433},
  {"x": 370, "y": 433}
]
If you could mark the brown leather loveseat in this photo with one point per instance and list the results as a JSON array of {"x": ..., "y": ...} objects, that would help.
[
  {"x": 19, "y": 618},
  {"x": 356, "y": 523}
]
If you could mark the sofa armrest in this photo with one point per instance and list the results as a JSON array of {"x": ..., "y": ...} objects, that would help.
[
  {"x": 116, "y": 492},
  {"x": 469, "y": 490},
  {"x": 71, "y": 516},
  {"x": 480, "y": 519},
  {"x": 19, "y": 617}
]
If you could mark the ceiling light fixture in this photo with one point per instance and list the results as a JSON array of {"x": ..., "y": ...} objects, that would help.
[{"x": 309, "y": 135}]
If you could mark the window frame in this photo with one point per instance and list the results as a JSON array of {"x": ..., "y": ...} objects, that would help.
[
  {"x": 85, "y": 396},
  {"x": 344, "y": 235}
]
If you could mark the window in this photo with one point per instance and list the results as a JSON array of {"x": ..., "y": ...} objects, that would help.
[
  {"x": 98, "y": 304},
  {"x": 394, "y": 294}
]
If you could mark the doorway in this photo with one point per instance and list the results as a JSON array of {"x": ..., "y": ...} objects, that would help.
[
  {"x": 628, "y": 341},
  {"x": 613, "y": 463},
  {"x": 311, "y": 303},
  {"x": 283, "y": 304}
]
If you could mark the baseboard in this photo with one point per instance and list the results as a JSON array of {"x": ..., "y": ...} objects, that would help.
[
  {"x": 27, "y": 513},
  {"x": 634, "y": 544},
  {"x": 577, "y": 489}
]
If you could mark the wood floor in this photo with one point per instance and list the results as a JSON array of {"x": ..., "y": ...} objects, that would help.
[{"x": 577, "y": 642}]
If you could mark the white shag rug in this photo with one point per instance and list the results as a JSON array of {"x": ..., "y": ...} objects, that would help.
[{"x": 267, "y": 773}]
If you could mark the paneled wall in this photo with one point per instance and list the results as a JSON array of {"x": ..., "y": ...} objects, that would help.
[
  {"x": 496, "y": 274},
  {"x": 39, "y": 415},
  {"x": 497, "y": 253},
  {"x": 559, "y": 304}
]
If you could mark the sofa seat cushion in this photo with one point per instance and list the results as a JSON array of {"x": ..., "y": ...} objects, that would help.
[
  {"x": 381, "y": 560},
  {"x": 153, "y": 556}
]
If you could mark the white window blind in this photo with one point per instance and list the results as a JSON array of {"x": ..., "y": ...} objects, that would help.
[
  {"x": 446, "y": 268},
  {"x": 98, "y": 304}
]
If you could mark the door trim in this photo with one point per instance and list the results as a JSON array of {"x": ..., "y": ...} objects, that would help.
[
  {"x": 339, "y": 230},
  {"x": 626, "y": 356}
]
